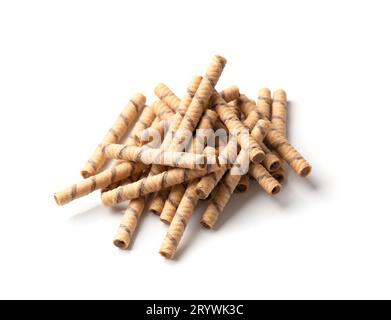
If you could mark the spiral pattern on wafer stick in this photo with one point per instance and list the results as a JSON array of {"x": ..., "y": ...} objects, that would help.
[
  {"x": 154, "y": 183},
  {"x": 264, "y": 179},
  {"x": 264, "y": 102},
  {"x": 166, "y": 95},
  {"x": 103, "y": 179},
  {"x": 162, "y": 110},
  {"x": 172, "y": 203},
  {"x": 230, "y": 94},
  {"x": 279, "y": 111},
  {"x": 129, "y": 223},
  {"x": 119, "y": 128},
  {"x": 149, "y": 155},
  {"x": 234, "y": 125},
  {"x": 278, "y": 142},
  {"x": 179, "y": 222}
]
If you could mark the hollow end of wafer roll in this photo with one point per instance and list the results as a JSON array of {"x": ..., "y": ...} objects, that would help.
[
  {"x": 274, "y": 165},
  {"x": 240, "y": 188},
  {"x": 166, "y": 254},
  {"x": 208, "y": 224},
  {"x": 122, "y": 244},
  {"x": 275, "y": 190},
  {"x": 305, "y": 171},
  {"x": 86, "y": 174},
  {"x": 165, "y": 220},
  {"x": 257, "y": 155},
  {"x": 201, "y": 193},
  {"x": 57, "y": 200}
]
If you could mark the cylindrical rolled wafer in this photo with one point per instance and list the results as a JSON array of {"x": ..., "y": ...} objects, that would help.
[
  {"x": 157, "y": 129},
  {"x": 251, "y": 110},
  {"x": 233, "y": 123},
  {"x": 151, "y": 184},
  {"x": 264, "y": 178},
  {"x": 219, "y": 200},
  {"x": 129, "y": 223},
  {"x": 149, "y": 155},
  {"x": 119, "y": 128},
  {"x": 279, "y": 111},
  {"x": 243, "y": 184},
  {"x": 223, "y": 193},
  {"x": 231, "y": 93},
  {"x": 264, "y": 102},
  {"x": 279, "y": 143},
  {"x": 199, "y": 103},
  {"x": 103, "y": 179},
  {"x": 158, "y": 202},
  {"x": 162, "y": 110},
  {"x": 179, "y": 222},
  {"x": 172, "y": 203},
  {"x": 165, "y": 94},
  {"x": 272, "y": 162}
]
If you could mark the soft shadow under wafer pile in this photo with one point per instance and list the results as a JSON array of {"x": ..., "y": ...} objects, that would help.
[{"x": 204, "y": 146}]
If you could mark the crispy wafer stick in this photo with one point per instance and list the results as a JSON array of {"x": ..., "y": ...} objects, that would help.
[
  {"x": 230, "y": 94},
  {"x": 287, "y": 152},
  {"x": 162, "y": 110},
  {"x": 264, "y": 102},
  {"x": 129, "y": 223},
  {"x": 154, "y": 183},
  {"x": 233, "y": 123},
  {"x": 172, "y": 203},
  {"x": 279, "y": 111},
  {"x": 165, "y": 94},
  {"x": 119, "y": 128},
  {"x": 179, "y": 222},
  {"x": 103, "y": 179},
  {"x": 223, "y": 193},
  {"x": 157, "y": 204},
  {"x": 149, "y": 155},
  {"x": 265, "y": 180},
  {"x": 243, "y": 184}
]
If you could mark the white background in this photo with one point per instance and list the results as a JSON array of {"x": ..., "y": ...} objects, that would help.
[{"x": 68, "y": 67}]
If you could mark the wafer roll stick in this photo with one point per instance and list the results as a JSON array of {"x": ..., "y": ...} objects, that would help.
[
  {"x": 158, "y": 201},
  {"x": 278, "y": 142},
  {"x": 162, "y": 110},
  {"x": 223, "y": 193},
  {"x": 252, "y": 112},
  {"x": 103, "y": 179},
  {"x": 230, "y": 94},
  {"x": 199, "y": 103},
  {"x": 172, "y": 203},
  {"x": 129, "y": 223},
  {"x": 179, "y": 222},
  {"x": 151, "y": 184},
  {"x": 279, "y": 111},
  {"x": 166, "y": 95},
  {"x": 119, "y": 128},
  {"x": 233, "y": 123},
  {"x": 264, "y": 178},
  {"x": 149, "y": 155},
  {"x": 272, "y": 162},
  {"x": 243, "y": 185},
  {"x": 264, "y": 102}
]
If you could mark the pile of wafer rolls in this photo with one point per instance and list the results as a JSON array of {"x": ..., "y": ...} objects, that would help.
[{"x": 174, "y": 153}]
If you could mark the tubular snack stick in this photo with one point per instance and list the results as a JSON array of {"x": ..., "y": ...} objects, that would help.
[
  {"x": 279, "y": 111},
  {"x": 119, "y": 128},
  {"x": 243, "y": 184},
  {"x": 264, "y": 102},
  {"x": 265, "y": 180},
  {"x": 172, "y": 203}
]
